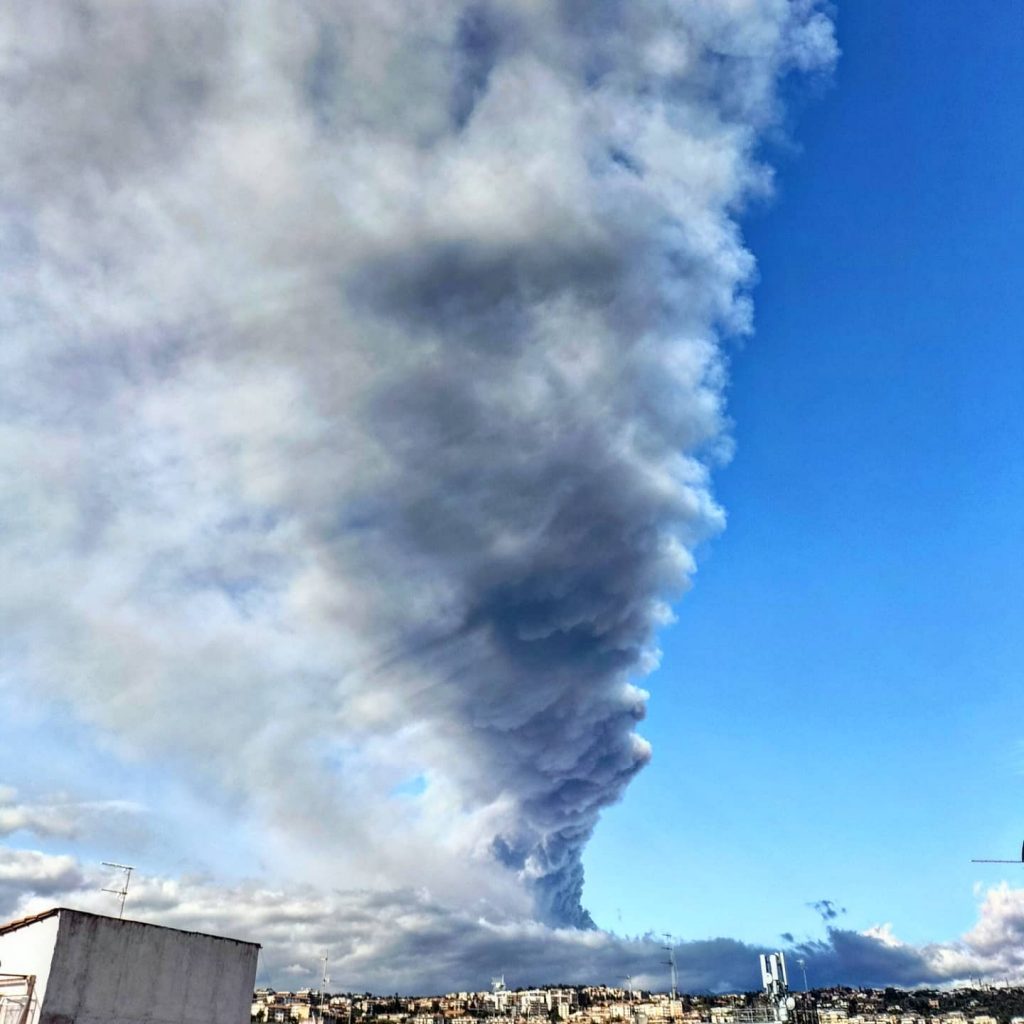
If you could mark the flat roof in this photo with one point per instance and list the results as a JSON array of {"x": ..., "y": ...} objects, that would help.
[{"x": 24, "y": 922}]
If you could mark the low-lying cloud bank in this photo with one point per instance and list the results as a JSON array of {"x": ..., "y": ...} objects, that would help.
[{"x": 406, "y": 941}]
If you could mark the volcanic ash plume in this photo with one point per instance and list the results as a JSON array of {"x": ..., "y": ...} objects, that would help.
[{"x": 359, "y": 387}]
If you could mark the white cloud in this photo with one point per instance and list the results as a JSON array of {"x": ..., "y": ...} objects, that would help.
[{"x": 44, "y": 876}]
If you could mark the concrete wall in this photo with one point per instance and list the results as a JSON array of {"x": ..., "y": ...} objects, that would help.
[
  {"x": 107, "y": 971},
  {"x": 29, "y": 950}
]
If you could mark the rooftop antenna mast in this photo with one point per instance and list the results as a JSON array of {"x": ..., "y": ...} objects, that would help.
[
  {"x": 802, "y": 964},
  {"x": 123, "y": 891},
  {"x": 671, "y": 964},
  {"x": 323, "y": 986}
]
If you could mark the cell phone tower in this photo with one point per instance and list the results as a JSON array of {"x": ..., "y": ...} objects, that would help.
[
  {"x": 775, "y": 979},
  {"x": 671, "y": 964},
  {"x": 774, "y": 976}
]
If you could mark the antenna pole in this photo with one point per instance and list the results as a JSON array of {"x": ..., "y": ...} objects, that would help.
[
  {"x": 323, "y": 987},
  {"x": 802, "y": 963},
  {"x": 123, "y": 891},
  {"x": 671, "y": 963}
]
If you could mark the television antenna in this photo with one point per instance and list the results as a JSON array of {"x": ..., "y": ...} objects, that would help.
[{"x": 123, "y": 891}]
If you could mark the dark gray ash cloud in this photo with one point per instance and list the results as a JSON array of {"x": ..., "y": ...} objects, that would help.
[
  {"x": 360, "y": 389},
  {"x": 828, "y": 910}
]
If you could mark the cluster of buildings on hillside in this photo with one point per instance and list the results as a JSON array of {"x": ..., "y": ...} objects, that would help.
[
  {"x": 604, "y": 1005},
  {"x": 598, "y": 1004},
  {"x": 963, "y": 1004},
  {"x": 582, "y": 1004},
  {"x": 454, "y": 1008},
  {"x": 495, "y": 1006}
]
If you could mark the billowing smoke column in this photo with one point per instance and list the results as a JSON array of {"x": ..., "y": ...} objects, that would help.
[{"x": 359, "y": 388}]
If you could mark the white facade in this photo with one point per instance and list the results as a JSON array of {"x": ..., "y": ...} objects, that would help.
[
  {"x": 26, "y": 952},
  {"x": 91, "y": 969}
]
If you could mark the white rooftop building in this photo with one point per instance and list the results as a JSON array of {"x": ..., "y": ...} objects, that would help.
[{"x": 70, "y": 967}]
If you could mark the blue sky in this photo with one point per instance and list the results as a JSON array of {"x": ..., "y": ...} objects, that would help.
[{"x": 838, "y": 713}]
